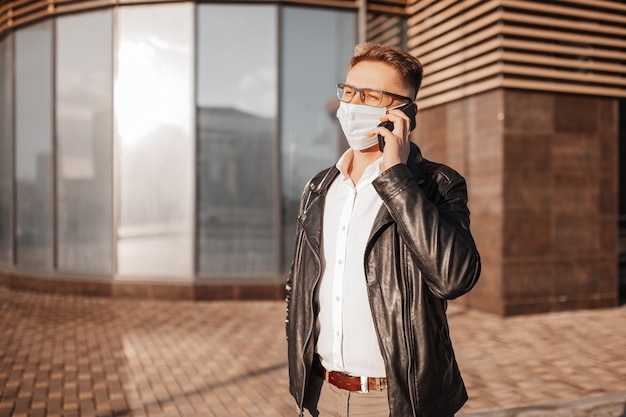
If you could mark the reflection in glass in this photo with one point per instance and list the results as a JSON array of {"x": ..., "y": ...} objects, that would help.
[
  {"x": 236, "y": 119},
  {"x": 155, "y": 141},
  {"x": 33, "y": 145},
  {"x": 317, "y": 45},
  {"x": 84, "y": 86},
  {"x": 6, "y": 151}
]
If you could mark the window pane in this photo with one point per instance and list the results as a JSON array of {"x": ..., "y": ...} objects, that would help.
[
  {"x": 84, "y": 92},
  {"x": 6, "y": 151},
  {"x": 33, "y": 145},
  {"x": 317, "y": 45},
  {"x": 236, "y": 118},
  {"x": 155, "y": 140}
]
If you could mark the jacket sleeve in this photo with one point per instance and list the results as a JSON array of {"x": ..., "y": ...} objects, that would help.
[
  {"x": 304, "y": 200},
  {"x": 288, "y": 287},
  {"x": 436, "y": 232},
  {"x": 289, "y": 282}
]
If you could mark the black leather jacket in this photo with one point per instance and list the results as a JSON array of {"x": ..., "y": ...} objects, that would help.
[{"x": 419, "y": 254}]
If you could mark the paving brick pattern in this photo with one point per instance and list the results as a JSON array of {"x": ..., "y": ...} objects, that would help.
[{"x": 85, "y": 356}]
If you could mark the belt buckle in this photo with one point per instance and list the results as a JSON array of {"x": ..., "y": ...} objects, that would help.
[{"x": 365, "y": 388}]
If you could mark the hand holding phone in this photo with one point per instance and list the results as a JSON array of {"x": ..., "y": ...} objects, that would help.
[{"x": 409, "y": 110}]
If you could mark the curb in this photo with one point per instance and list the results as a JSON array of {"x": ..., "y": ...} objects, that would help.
[{"x": 612, "y": 405}]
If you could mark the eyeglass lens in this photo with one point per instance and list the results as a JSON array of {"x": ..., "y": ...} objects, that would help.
[{"x": 368, "y": 96}]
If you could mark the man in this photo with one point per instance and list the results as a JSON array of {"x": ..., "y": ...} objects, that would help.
[{"x": 382, "y": 242}]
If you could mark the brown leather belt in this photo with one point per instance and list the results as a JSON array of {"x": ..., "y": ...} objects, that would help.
[{"x": 352, "y": 383}]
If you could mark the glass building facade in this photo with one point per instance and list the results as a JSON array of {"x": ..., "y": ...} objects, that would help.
[{"x": 166, "y": 142}]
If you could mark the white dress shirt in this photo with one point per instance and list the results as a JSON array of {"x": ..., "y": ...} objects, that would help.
[{"x": 346, "y": 338}]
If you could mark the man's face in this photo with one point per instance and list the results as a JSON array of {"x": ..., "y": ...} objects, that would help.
[{"x": 380, "y": 76}]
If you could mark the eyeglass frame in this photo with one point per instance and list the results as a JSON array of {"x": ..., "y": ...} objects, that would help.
[{"x": 360, "y": 91}]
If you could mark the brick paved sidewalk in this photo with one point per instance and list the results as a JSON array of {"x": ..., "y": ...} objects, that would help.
[{"x": 83, "y": 356}]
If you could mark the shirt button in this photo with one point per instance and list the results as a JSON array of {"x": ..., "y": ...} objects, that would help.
[
  {"x": 337, "y": 298},
  {"x": 340, "y": 262},
  {"x": 344, "y": 228}
]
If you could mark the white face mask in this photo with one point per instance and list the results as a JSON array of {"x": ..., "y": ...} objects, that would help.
[{"x": 356, "y": 121}]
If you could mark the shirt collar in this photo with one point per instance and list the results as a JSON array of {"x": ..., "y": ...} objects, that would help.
[{"x": 370, "y": 173}]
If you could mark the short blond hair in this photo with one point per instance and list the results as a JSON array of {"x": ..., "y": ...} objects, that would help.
[{"x": 409, "y": 67}]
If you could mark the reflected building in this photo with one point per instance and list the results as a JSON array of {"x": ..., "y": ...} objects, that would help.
[
  {"x": 237, "y": 189},
  {"x": 160, "y": 149},
  {"x": 142, "y": 147}
]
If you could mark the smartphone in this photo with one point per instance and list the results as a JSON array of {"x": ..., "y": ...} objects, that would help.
[{"x": 409, "y": 110}]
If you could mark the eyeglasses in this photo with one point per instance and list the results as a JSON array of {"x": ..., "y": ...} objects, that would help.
[{"x": 368, "y": 96}]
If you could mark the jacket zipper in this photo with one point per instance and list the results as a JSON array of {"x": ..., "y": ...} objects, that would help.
[
  {"x": 310, "y": 330},
  {"x": 409, "y": 334},
  {"x": 407, "y": 319},
  {"x": 319, "y": 270}
]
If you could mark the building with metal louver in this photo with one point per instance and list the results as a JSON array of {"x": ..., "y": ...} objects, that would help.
[{"x": 159, "y": 148}]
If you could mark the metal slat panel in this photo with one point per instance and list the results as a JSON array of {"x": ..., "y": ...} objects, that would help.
[
  {"x": 554, "y": 35},
  {"x": 463, "y": 80},
  {"x": 386, "y": 29},
  {"x": 539, "y": 85},
  {"x": 564, "y": 10},
  {"x": 459, "y": 93},
  {"x": 396, "y": 3},
  {"x": 457, "y": 47},
  {"x": 437, "y": 25},
  {"x": 416, "y": 6},
  {"x": 553, "y": 48},
  {"x": 606, "y": 4},
  {"x": 461, "y": 58},
  {"x": 23, "y": 10},
  {"x": 467, "y": 66},
  {"x": 73, "y": 6},
  {"x": 5, "y": 17},
  {"x": 17, "y": 13},
  {"x": 390, "y": 10},
  {"x": 459, "y": 39},
  {"x": 574, "y": 25},
  {"x": 490, "y": 84},
  {"x": 587, "y": 65},
  {"x": 573, "y": 46},
  {"x": 555, "y": 75}
]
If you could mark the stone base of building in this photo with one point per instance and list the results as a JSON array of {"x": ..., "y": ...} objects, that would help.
[
  {"x": 144, "y": 290},
  {"x": 542, "y": 175}
]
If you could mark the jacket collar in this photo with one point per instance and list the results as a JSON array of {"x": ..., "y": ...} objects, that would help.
[
  {"x": 318, "y": 188},
  {"x": 415, "y": 162}
]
